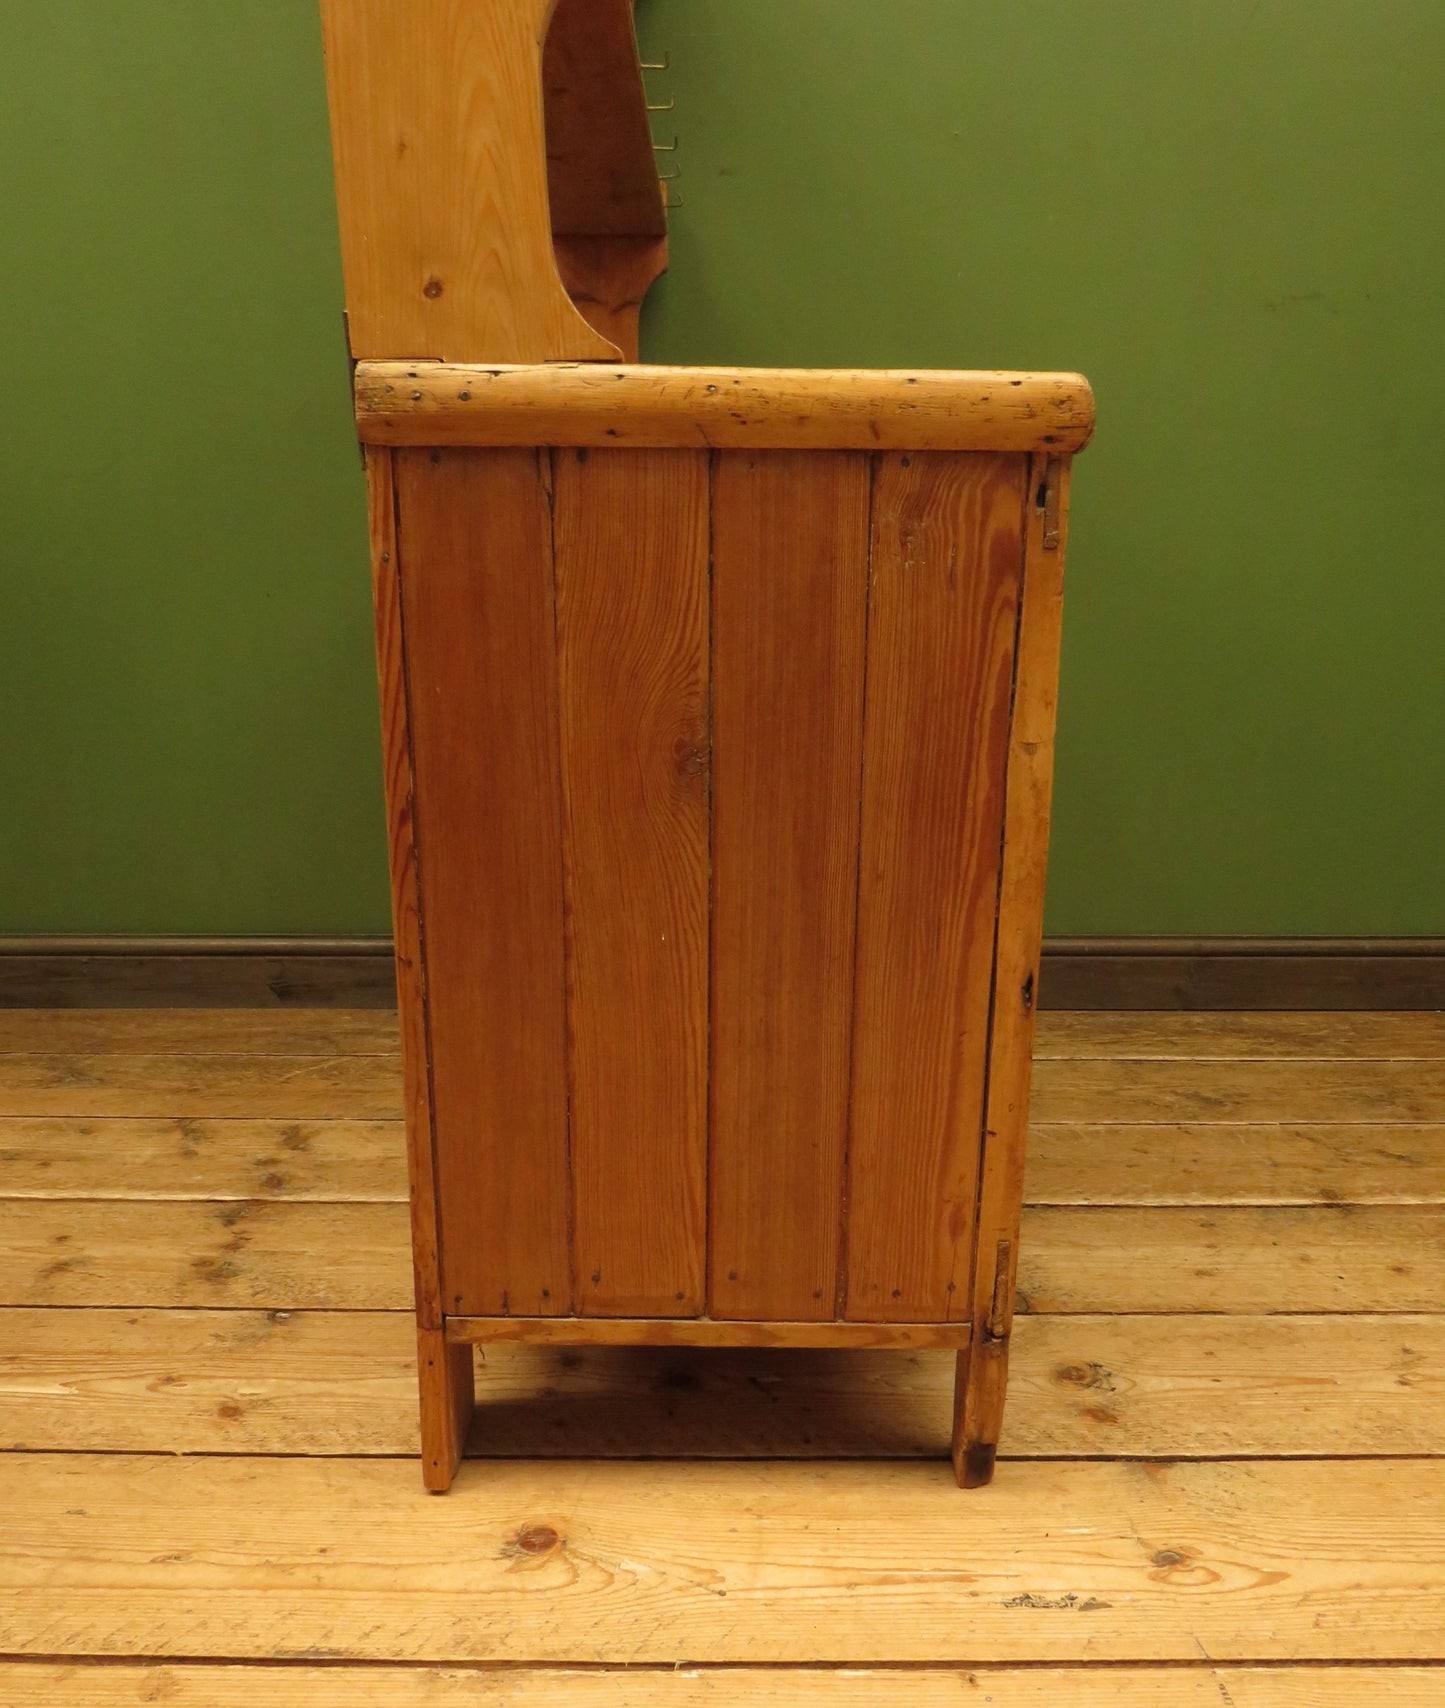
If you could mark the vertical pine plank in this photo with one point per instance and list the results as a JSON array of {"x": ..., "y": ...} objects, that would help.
[
  {"x": 946, "y": 566},
  {"x": 790, "y": 596},
  {"x": 405, "y": 910},
  {"x": 632, "y": 612},
  {"x": 983, "y": 1371},
  {"x": 481, "y": 668}
]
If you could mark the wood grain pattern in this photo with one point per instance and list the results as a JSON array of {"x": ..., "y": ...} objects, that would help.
[
  {"x": 1080, "y": 1163},
  {"x": 354, "y": 1256},
  {"x": 199, "y": 1031},
  {"x": 288, "y": 1087},
  {"x": 1067, "y": 1092},
  {"x": 947, "y": 555},
  {"x": 614, "y": 1562},
  {"x": 344, "y": 1383},
  {"x": 1220, "y": 1386},
  {"x": 790, "y": 565},
  {"x": 482, "y": 663},
  {"x": 1339, "y": 1258},
  {"x": 189, "y": 1157},
  {"x": 1198, "y": 1091},
  {"x": 210, "y": 1381},
  {"x": 1161, "y": 1163},
  {"x": 41, "y": 1684},
  {"x": 277, "y": 1256},
  {"x": 631, "y": 544},
  {"x": 438, "y": 140},
  {"x": 829, "y": 409},
  {"x": 1242, "y": 1037}
]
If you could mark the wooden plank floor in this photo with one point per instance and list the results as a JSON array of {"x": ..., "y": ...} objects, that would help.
[{"x": 1222, "y": 1478}]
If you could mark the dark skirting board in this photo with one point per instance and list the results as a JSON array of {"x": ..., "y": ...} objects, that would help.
[{"x": 1078, "y": 972}]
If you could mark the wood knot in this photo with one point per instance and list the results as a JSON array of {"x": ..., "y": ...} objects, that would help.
[
  {"x": 433, "y": 288},
  {"x": 691, "y": 757},
  {"x": 1099, "y": 1414},
  {"x": 536, "y": 1539},
  {"x": 1090, "y": 1375}
]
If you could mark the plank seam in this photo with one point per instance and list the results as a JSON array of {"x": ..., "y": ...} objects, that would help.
[
  {"x": 673, "y": 1457},
  {"x": 707, "y": 1233},
  {"x": 840, "y": 1284},
  {"x": 670, "y": 1669},
  {"x": 546, "y": 460}
]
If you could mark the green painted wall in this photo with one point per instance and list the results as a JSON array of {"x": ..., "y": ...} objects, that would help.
[
  {"x": 186, "y": 682},
  {"x": 1225, "y": 211}
]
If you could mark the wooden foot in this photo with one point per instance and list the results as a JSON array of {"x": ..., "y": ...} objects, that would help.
[
  {"x": 447, "y": 1395},
  {"x": 979, "y": 1382}
]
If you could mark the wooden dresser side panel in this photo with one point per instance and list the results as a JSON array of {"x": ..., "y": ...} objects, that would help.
[
  {"x": 947, "y": 553},
  {"x": 790, "y": 562},
  {"x": 631, "y": 544},
  {"x": 476, "y": 555}
]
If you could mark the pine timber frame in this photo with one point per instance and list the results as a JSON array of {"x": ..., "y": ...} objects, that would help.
[{"x": 718, "y": 712}]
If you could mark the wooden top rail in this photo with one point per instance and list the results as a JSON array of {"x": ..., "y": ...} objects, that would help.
[{"x": 587, "y": 403}]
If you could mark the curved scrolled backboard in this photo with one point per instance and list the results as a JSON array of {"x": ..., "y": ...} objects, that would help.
[{"x": 496, "y": 187}]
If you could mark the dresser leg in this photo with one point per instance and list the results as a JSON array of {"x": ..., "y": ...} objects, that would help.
[
  {"x": 980, "y": 1380},
  {"x": 447, "y": 1395}
]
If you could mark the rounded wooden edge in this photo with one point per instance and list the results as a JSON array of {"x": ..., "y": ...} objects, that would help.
[{"x": 600, "y": 404}]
